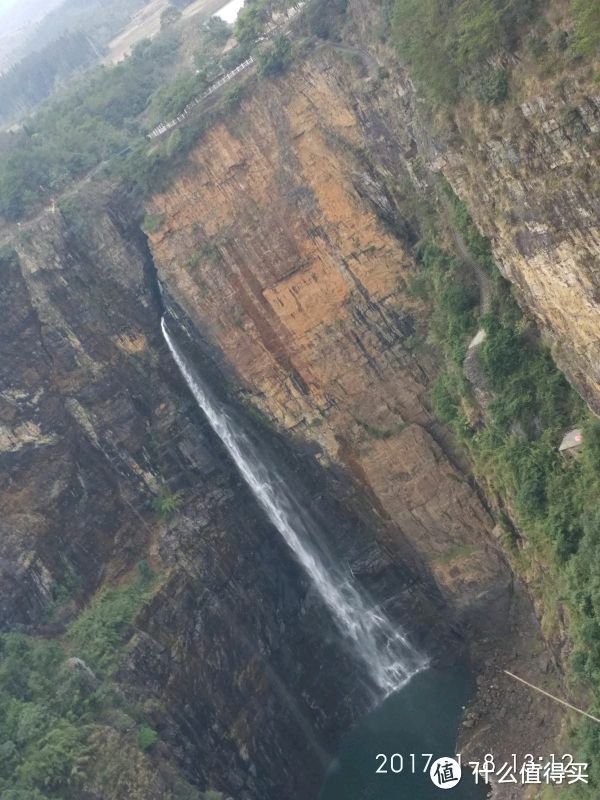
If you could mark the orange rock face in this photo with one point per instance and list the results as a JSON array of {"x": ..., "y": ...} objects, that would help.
[{"x": 269, "y": 247}]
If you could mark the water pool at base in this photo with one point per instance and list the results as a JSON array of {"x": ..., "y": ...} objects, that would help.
[{"x": 423, "y": 717}]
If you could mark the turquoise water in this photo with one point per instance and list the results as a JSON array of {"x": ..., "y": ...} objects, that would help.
[{"x": 421, "y": 718}]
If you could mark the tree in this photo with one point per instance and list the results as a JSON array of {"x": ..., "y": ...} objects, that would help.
[
  {"x": 146, "y": 737},
  {"x": 421, "y": 29},
  {"x": 276, "y": 57},
  {"x": 250, "y": 23}
]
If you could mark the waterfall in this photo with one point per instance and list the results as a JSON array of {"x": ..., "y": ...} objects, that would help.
[{"x": 385, "y": 651}]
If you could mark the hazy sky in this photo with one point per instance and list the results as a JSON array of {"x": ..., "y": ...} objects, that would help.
[
  {"x": 18, "y": 13},
  {"x": 5, "y": 5}
]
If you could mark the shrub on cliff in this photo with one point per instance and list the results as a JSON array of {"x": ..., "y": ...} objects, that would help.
[
  {"x": 446, "y": 44},
  {"x": 586, "y": 14},
  {"x": 275, "y": 58},
  {"x": 153, "y": 222},
  {"x": 492, "y": 86},
  {"x": 420, "y": 29},
  {"x": 99, "y": 631},
  {"x": 250, "y": 22},
  {"x": 323, "y": 18},
  {"x": 515, "y": 450},
  {"x": 52, "y": 702},
  {"x": 146, "y": 737},
  {"x": 167, "y": 503},
  {"x": 41, "y": 749},
  {"x": 444, "y": 400}
]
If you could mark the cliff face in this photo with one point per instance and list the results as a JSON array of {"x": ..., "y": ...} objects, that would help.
[
  {"x": 234, "y": 660},
  {"x": 529, "y": 177},
  {"x": 74, "y": 408},
  {"x": 277, "y": 240},
  {"x": 228, "y": 660},
  {"x": 527, "y": 170},
  {"x": 272, "y": 245},
  {"x": 284, "y": 250}
]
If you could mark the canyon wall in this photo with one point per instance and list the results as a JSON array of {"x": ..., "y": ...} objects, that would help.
[
  {"x": 228, "y": 660},
  {"x": 526, "y": 168},
  {"x": 530, "y": 179},
  {"x": 284, "y": 247},
  {"x": 285, "y": 240},
  {"x": 273, "y": 247}
]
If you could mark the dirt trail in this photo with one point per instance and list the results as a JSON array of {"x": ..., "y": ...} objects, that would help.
[
  {"x": 483, "y": 279},
  {"x": 370, "y": 61}
]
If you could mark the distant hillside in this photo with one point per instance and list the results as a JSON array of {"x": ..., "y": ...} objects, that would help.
[
  {"x": 66, "y": 39},
  {"x": 17, "y": 20},
  {"x": 20, "y": 14},
  {"x": 99, "y": 19},
  {"x": 34, "y": 78}
]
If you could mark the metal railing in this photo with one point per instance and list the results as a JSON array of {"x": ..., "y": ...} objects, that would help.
[
  {"x": 167, "y": 126},
  {"x": 273, "y": 28}
]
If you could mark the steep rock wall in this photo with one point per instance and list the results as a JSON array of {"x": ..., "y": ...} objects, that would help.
[
  {"x": 271, "y": 249},
  {"x": 529, "y": 178},
  {"x": 229, "y": 660},
  {"x": 527, "y": 170},
  {"x": 276, "y": 243},
  {"x": 276, "y": 239}
]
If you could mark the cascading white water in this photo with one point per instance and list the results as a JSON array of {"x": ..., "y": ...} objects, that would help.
[{"x": 388, "y": 655}]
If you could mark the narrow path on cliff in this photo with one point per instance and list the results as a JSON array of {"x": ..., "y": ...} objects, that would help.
[
  {"x": 483, "y": 279},
  {"x": 370, "y": 61}
]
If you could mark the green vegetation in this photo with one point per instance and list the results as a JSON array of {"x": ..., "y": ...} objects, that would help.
[
  {"x": 30, "y": 81},
  {"x": 453, "y": 48},
  {"x": 323, "y": 18},
  {"x": 515, "y": 449},
  {"x": 276, "y": 57},
  {"x": 97, "y": 633},
  {"x": 173, "y": 97},
  {"x": 456, "y": 48},
  {"x": 146, "y": 737},
  {"x": 251, "y": 22},
  {"x": 209, "y": 251},
  {"x": 90, "y": 123},
  {"x": 167, "y": 503},
  {"x": 101, "y": 122},
  {"x": 255, "y": 16},
  {"x": 233, "y": 97},
  {"x": 586, "y": 14},
  {"x": 492, "y": 86},
  {"x": 447, "y": 44},
  {"x": 153, "y": 222},
  {"x": 54, "y": 693}
]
